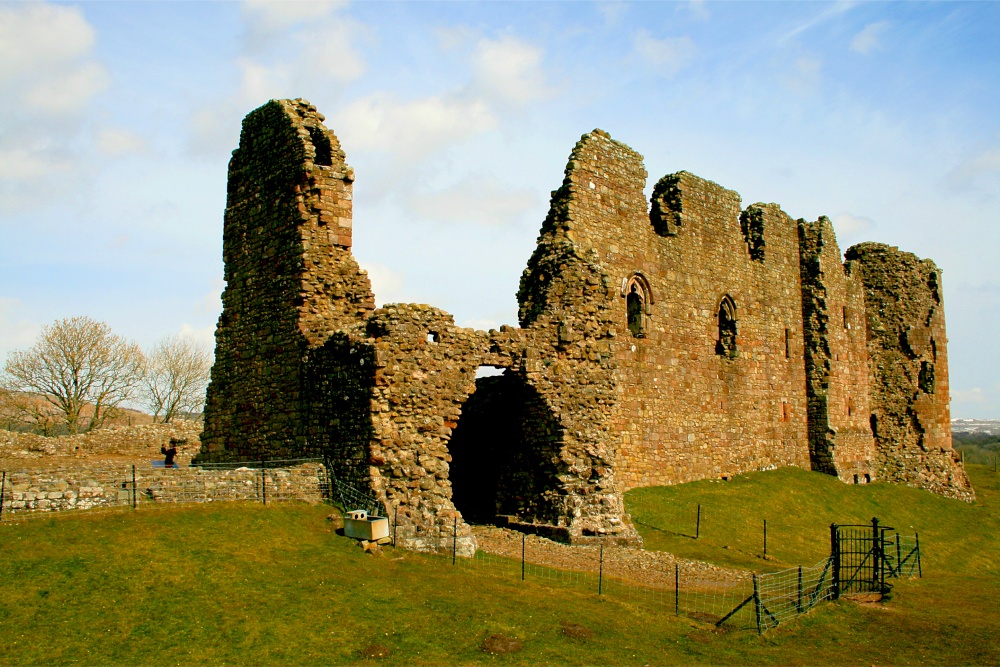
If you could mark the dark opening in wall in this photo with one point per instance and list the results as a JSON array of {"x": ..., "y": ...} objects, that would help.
[
  {"x": 788, "y": 352},
  {"x": 726, "y": 346},
  {"x": 847, "y": 321},
  {"x": 504, "y": 454},
  {"x": 324, "y": 151},
  {"x": 873, "y": 421},
  {"x": 634, "y": 307},
  {"x": 926, "y": 380},
  {"x": 752, "y": 225},
  {"x": 638, "y": 304}
]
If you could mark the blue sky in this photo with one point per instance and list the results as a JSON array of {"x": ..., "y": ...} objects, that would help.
[{"x": 117, "y": 120}]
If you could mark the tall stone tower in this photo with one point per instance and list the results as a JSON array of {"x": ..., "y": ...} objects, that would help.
[{"x": 291, "y": 285}]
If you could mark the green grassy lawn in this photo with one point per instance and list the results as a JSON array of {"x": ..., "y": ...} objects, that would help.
[{"x": 240, "y": 583}]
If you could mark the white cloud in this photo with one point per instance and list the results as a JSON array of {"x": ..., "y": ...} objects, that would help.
[
  {"x": 612, "y": 11},
  {"x": 39, "y": 37},
  {"x": 278, "y": 15},
  {"x": 849, "y": 225},
  {"x": 202, "y": 335},
  {"x": 67, "y": 91},
  {"x": 211, "y": 302},
  {"x": 454, "y": 37},
  {"x": 831, "y": 12},
  {"x": 508, "y": 70},
  {"x": 291, "y": 50},
  {"x": 870, "y": 38},
  {"x": 118, "y": 141},
  {"x": 668, "y": 56},
  {"x": 973, "y": 396},
  {"x": 805, "y": 75},
  {"x": 48, "y": 76},
  {"x": 387, "y": 284},
  {"x": 699, "y": 9},
  {"x": 980, "y": 171},
  {"x": 16, "y": 331},
  {"x": 411, "y": 129},
  {"x": 481, "y": 199}
]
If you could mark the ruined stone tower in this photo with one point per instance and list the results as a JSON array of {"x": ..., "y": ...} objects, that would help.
[{"x": 659, "y": 343}]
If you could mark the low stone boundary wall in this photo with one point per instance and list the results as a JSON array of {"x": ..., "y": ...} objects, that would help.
[
  {"x": 139, "y": 443},
  {"x": 59, "y": 489},
  {"x": 651, "y": 568}
]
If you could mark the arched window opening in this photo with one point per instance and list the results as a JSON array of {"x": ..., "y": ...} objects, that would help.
[
  {"x": 726, "y": 346},
  {"x": 635, "y": 315},
  {"x": 873, "y": 422},
  {"x": 638, "y": 301},
  {"x": 324, "y": 151}
]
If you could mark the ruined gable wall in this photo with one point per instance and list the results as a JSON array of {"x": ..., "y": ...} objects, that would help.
[
  {"x": 425, "y": 370},
  {"x": 909, "y": 370},
  {"x": 836, "y": 358},
  {"x": 290, "y": 281},
  {"x": 681, "y": 410}
]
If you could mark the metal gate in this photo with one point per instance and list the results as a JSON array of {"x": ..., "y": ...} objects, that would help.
[{"x": 863, "y": 555}]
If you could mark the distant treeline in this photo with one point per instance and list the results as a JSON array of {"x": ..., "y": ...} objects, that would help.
[{"x": 978, "y": 447}]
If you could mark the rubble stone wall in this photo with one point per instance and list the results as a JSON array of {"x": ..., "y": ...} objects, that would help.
[
  {"x": 910, "y": 411},
  {"x": 139, "y": 444},
  {"x": 103, "y": 485},
  {"x": 836, "y": 359}
]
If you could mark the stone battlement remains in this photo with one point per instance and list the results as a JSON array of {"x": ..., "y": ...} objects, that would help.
[{"x": 683, "y": 338}]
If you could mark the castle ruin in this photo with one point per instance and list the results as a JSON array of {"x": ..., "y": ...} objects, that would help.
[{"x": 660, "y": 342}]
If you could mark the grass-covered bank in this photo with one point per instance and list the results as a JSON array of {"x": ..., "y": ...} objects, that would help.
[{"x": 231, "y": 583}]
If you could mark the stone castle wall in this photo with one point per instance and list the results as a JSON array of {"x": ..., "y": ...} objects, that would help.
[
  {"x": 658, "y": 343},
  {"x": 910, "y": 414}
]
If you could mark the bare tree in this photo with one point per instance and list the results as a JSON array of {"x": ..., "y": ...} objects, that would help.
[
  {"x": 177, "y": 375},
  {"x": 81, "y": 368},
  {"x": 21, "y": 411}
]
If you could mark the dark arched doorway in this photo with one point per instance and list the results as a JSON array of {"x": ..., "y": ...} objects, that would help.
[{"x": 505, "y": 453}]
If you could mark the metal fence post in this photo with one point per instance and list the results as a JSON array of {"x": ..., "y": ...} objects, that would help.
[
  {"x": 522, "y": 556},
  {"x": 677, "y": 590},
  {"x": 798, "y": 602},
  {"x": 454, "y": 541},
  {"x": 3, "y": 489},
  {"x": 697, "y": 526},
  {"x": 395, "y": 522},
  {"x": 920, "y": 567},
  {"x": 263, "y": 481},
  {"x": 899, "y": 558},
  {"x": 876, "y": 553},
  {"x": 600, "y": 573},
  {"x": 133, "y": 487},
  {"x": 765, "y": 538},
  {"x": 835, "y": 557},
  {"x": 756, "y": 603}
]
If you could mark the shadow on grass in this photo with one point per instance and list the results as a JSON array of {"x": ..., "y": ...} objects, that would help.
[{"x": 663, "y": 530}]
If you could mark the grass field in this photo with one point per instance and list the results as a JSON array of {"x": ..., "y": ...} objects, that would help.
[{"x": 236, "y": 583}]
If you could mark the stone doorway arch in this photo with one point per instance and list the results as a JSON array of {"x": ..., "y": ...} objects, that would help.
[{"x": 505, "y": 453}]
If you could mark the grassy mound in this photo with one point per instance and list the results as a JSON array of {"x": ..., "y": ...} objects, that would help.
[{"x": 236, "y": 583}]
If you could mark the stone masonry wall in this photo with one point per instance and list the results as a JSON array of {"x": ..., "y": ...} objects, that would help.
[
  {"x": 836, "y": 358},
  {"x": 291, "y": 282},
  {"x": 108, "y": 485},
  {"x": 910, "y": 412},
  {"x": 680, "y": 410}
]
